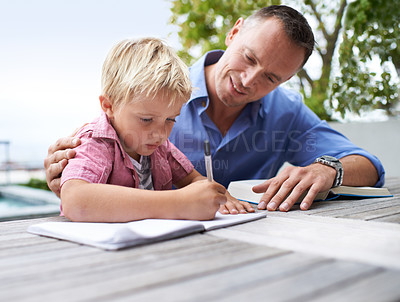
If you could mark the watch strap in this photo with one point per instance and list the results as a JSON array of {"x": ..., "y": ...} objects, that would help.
[{"x": 334, "y": 163}]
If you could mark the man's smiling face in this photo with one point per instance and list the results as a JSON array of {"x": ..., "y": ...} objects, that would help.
[{"x": 258, "y": 59}]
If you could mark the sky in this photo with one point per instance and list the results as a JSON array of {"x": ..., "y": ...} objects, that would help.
[{"x": 51, "y": 54}]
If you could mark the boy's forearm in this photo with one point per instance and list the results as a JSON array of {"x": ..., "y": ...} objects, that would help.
[
  {"x": 190, "y": 178},
  {"x": 88, "y": 202}
]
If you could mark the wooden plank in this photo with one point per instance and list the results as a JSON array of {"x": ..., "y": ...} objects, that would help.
[
  {"x": 31, "y": 240},
  {"x": 137, "y": 269},
  {"x": 366, "y": 241},
  {"x": 226, "y": 282},
  {"x": 243, "y": 284},
  {"x": 346, "y": 209},
  {"x": 63, "y": 267},
  {"x": 395, "y": 218},
  {"x": 16, "y": 236},
  {"x": 18, "y": 226},
  {"x": 374, "y": 213},
  {"x": 81, "y": 256},
  {"x": 383, "y": 286},
  {"x": 337, "y": 207},
  {"x": 318, "y": 279},
  {"x": 393, "y": 184},
  {"x": 34, "y": 246},
  {"x": 15, "y": 267},
  {"x": 363, "y": 209}
]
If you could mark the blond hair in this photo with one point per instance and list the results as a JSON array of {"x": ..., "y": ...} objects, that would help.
[{"x": 144, "y": 67}]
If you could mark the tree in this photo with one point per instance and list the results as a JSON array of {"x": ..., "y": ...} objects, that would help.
[
  {"x": 328, "y": 17},
  {"x": 372, "y": 28},
  {"x": 204, "y": 24}
]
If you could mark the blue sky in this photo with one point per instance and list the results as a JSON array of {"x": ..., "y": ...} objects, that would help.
[{"x": 51, "y": 53}]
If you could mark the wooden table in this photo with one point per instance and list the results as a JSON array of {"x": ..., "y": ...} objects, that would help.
[{"x": 337, "y": 251}]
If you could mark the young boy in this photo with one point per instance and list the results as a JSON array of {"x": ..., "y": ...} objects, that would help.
[{"x": 125, "y": 167}]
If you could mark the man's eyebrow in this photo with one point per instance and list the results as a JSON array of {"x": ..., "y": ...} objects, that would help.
[{"x": 278, "y": 78}]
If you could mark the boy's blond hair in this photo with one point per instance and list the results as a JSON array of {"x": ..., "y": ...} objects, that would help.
[{"x": 144, "y": 67}]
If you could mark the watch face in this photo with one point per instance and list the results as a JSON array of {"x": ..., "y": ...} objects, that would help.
[{"x": 330, "y": 158}]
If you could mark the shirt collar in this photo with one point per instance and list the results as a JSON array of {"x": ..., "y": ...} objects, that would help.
[
  {"x": 104, "y": 129},
  {"x": 256, "y": 109},
  {"x": 198, "y": 77}
]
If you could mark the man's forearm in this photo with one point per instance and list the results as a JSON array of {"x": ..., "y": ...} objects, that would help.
[{"x": 358, "y": 171}]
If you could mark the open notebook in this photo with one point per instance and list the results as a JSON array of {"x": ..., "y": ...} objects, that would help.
[{"x": 113, "y": 236}]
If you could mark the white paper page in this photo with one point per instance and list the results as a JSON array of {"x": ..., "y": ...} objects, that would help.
[
  {"x": 222, "y": 220},
  {"x": 117, "y": 235},
  {"x": 150, "y": 228},
  {"x": 96, "y": 232},
  {"x": 242, "y": 189}
]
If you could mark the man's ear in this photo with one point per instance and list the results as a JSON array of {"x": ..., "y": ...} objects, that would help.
[
  {"x": 234, "y": 30},
  {"x": 106, "y": 106}
]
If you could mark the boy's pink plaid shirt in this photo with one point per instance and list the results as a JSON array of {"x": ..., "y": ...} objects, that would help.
[{"x": 101, "y": 159}]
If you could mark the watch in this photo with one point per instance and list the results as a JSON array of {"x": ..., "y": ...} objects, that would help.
[{"x": 334, "y": 163}]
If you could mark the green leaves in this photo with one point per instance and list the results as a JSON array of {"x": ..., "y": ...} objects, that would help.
[
  {"x": 371, "y": 30},
  {"x": 204, "y": 24}
]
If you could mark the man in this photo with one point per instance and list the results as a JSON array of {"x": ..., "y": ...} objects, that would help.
[{"x": 253, "y": 125}]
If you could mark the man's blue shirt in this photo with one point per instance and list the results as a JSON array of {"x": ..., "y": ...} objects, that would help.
[{"x": 276, "y": 129}]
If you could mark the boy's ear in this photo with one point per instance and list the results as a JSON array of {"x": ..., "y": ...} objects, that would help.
[{"x": 106, "y": 106}]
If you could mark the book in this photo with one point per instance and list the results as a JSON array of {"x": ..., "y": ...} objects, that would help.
[
  {"x": 114, "y": 236},
  {"x": 242, "y": 189}
]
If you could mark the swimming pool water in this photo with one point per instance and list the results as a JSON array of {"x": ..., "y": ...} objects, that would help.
[
  {"x": 18, "y": 202},
  {"x": 7, "y": 203}
]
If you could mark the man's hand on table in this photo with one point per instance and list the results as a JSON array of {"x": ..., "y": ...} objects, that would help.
[{"x": 293, "y": 182}]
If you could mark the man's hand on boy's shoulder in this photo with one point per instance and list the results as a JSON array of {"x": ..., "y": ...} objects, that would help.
[{"x": 57, "y": 158}]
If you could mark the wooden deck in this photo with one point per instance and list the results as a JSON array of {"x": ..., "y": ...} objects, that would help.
[{"x": 337, "y": 251}]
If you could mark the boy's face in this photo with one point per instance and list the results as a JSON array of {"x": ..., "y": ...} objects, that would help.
[{"x": 144, "y": 124}]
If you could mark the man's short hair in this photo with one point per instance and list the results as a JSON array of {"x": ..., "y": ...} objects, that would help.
[
  {"x": 295, "y": 25},
  {"x": 144, "y": 67}
]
